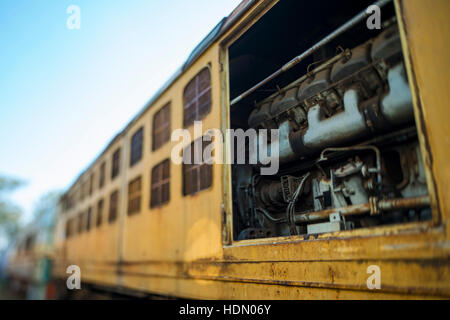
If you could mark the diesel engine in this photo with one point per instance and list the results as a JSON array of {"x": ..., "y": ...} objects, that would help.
[{"x": 348, "y": 149}]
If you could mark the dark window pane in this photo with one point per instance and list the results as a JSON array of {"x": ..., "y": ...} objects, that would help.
[
  {"x": 113, "y": 206},
  {"x": 115, "y": 164},
  {"x": 161, "y": 127},
  {"x": 84, "y": 190},
  {"x": 101, "y": 182},
  {"x": 136, "y": 146},
  {"x": 99, "y": 213},
  {"x": 68, "y": 227},
  {"x": 80, "y": 222},
  {"x": 91, "y": 184},
  {"x": 88, "y": 218}
]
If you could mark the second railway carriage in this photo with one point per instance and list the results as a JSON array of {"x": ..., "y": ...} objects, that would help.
[
  {"x": 361, "y": 192},
  {"x": 28, "y": 268}
]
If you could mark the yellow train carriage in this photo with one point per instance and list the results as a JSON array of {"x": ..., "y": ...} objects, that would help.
[{"x": 136, "y": 221}]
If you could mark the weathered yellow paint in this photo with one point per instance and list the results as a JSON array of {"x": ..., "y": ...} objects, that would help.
[
  {"x": 183, "y": 249},
  {"x": 427, "y": 27}
]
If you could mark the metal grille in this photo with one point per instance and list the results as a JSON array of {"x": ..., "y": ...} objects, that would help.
[
  {"x": 161, "y": 127},
  {"x": 101, "y": 181},
  {"x": 115, "y": 164},
  {"x": 197, "y": 97},
  {"x": 196, "y": 177},
  {"x": 160, "y": 190},
  {"x": 134, "y": 196},
  {"x": 99, "y": 213},
  {"x": 113, "y": 206},
  {"x": 136, "y": 146}
]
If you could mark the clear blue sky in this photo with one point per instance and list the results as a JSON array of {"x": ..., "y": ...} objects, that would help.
[{"x": 65, "y": 93}]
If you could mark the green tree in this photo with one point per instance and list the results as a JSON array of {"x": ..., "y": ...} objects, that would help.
[
  {"x": 9, "y": 212},
  {"x": 46, "y": 205}
]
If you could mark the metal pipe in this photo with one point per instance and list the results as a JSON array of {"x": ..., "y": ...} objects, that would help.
[
  {"x": 373, "y": 207},
  {"x": 269, "y": 217},
  {"x": 346, "y": 53},
  {"x": 345, "y": 27}
]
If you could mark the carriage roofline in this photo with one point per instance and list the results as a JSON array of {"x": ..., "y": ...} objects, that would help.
[{"x": 220, "y": 29}]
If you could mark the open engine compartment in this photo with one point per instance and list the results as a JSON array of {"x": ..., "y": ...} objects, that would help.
[{"x": 348, "y": 149}]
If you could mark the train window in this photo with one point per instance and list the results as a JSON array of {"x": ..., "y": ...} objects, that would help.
[
  {"x": 88, "y": 218},
  {"x": 29, "y": 242},
  {"x": 197, "y": 175},
  {"x": 197, "y": 97},
  {"x": 85, "y": 189},
  {"x": 99, "y": 213},
  {"x": 79, "y": 192},
  {"x": 160, "y": 190},
  {"x": 67, "y": 228},
  {"x": 161, "y": 127},
  {"x": 115, "y": 164},
  {"x": 136, "y": 146},
  {"x": 113, "y": 206},
  {"x": 63, "y": 202},
  {"x": 91, "y": 184},
  {"x": 72, "y": 230},
  {"x": 82, "y": 189},
  {"x": 101, "y": 181},
  {"x": 80, "y": 222},
  {"x": 69, "y": 200},
  {"x": 134, "y": 196}
]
